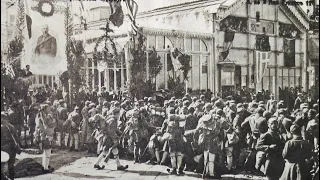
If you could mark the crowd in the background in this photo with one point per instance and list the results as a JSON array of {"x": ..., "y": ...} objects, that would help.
[{"x": 211, "y": 136}]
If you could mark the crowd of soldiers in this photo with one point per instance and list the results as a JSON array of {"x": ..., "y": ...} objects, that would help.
[{"x": 207, "y": 136}]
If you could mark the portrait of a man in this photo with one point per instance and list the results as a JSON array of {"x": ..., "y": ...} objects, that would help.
[{"x": 46, "y": 44}]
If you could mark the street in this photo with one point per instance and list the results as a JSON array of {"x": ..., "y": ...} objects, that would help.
[{"x": 82, "y": 168}]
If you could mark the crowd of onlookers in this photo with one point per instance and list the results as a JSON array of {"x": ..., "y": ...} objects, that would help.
[{"x": 207, "y": 135}]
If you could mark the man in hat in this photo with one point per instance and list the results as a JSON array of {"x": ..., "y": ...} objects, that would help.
[
  {"x": 272, "y": 144},
  {"x": 15, "y": 119},
  {"x": 137, "y": 129},
  {"x": 209, "y": 129},
  {"x": 174, "y": 136},
  {"x": 109, "y": 137},
  {"x": 45, "y": 125},
  {"x": 73, "y": 122},
  {"x": 9, "y": 143},
  {"x": 62, "y": 115},
  {"x": 296, "y": 152},
  {"x": 298, "y": 101}
]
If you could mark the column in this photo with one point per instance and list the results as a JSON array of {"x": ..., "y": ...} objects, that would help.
[
  {"x": 93, "y": 79},
  {"x": 106, "y": 78},
  {"x": 147, "y": 65},
  {"x": 115, "y": 76},
  {"x": 99, "y": 76},
  {"x": 165, "y": 71},
  {"x": 122, "y": 72},
  {"x": 215, "y": 56},
  {"x": 87, "y": 72},
  {"x": 303, "y": 60},
  {"x": 250, "y": 51}
]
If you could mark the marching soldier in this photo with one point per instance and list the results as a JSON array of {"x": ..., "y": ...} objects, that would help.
[
  {"x": 175, "y": 138},
  {"x": 62, "y": 115},
  {"x": 137, "y": 128},
  {"x": 73, "y": 122}
]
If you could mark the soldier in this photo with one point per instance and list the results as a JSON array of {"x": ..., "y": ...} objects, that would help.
[
  {"x": 9, "y": 143},
  {"x": 137, "y": 128},
  {"x": 85, "y": 134},
  {"x": 110, "y": 139},
  {"x": 62, "y": 115},
  {"x": 209, "y": 130},
  {"x": 73, "y": 122},
  {"x": 174, "y": 136},
  {"x": 45, "y": 124}
]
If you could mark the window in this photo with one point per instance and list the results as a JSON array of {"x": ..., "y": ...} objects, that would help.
[
  {"x": 44, "y": 79},
  {"x": 268, "y": 26},
  {"x": 89, "y": 62},
  {"x": 50, "y": 81},
  {"x": 151, "y": 41},
  {"x": 40, "y": 79},
  {"x": 160, "y": 42},
  {"x": 289, "y": 52},
  {"x": 196, "y": 44},
  {"x": 188, "y": 44}
]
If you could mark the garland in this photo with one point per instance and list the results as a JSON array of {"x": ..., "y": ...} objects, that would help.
[
  {"x": 105, "y": 55},
  {"x": 40, "y": 6}
]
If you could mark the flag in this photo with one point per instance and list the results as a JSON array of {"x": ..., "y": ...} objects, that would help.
[
  {"x": 132, "y": 7},
  {"x": 83, "y": 17},
  {"x": 28, "y": 18},
  {"x": 116, "y": 16},
  {"x": 262, "y": 59},
  {"x": 175, "y": 54},
  {"x": 228, "y": 39}
]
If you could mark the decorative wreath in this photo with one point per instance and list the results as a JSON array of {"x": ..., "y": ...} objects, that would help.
[{"x": 40, "y": 6}]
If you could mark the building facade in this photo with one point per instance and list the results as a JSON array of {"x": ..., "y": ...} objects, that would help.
[{"x": 199, "y": 29}]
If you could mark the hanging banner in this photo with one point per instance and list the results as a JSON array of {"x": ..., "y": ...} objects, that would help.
[{"x": 45, "y": 37}]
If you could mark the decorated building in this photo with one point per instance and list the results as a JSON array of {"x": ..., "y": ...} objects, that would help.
[{"x": 233, "y": 45}]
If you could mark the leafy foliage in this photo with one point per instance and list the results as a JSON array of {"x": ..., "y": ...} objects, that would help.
[
  {"x": 155, "y": 64},
  {"x": 185, "y": 60},
  {"x": 138, "y": 86},
  {"x": 176, "y": 86}
]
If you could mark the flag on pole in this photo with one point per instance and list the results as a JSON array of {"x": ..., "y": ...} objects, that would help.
[
  {"x": 228, "y": 39},
  {"x": 116, "y": 16},
  {"x": 28, "y": 18},
  {"x": 132, "y": 7},
  {"x": 83, "y": 16},
  {"x": 262, "y": 59}
]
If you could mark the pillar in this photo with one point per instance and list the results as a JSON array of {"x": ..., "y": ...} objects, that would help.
[
  {"x": 122, "y": 72},
  {"x": 147, "y": 66},
  {"x": 99, "y": 76},
  {"x": 276, "y": 56},
  {"x": 115, "y": 77}
]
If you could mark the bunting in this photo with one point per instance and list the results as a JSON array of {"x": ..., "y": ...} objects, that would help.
[
  {"x": 28, "y": 18},
  {"x": 116, "y": 16},
  {"x": 132, "y": 7},
  {"x": 262, "y": 59}
]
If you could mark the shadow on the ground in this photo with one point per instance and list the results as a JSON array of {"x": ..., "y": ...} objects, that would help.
[
  {"x": 78, "y": 175},
  {"x": 33, "y": 166}
]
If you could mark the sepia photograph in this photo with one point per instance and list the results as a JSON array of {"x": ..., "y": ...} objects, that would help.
[{"x": 159, "y": 89}]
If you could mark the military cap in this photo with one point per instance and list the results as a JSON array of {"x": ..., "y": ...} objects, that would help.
[
  {"x": 229, "y": 98},
  {"x": 272, "y": 119},
  {"x": 260, "y": 110},
  {"x": 261, "y": 102},
  {"x": 91, "y": 105},
  {"x": 98, "y": 107},
  {"x": 208, "y": 106},
  {"x": 281, "y": 111},
  {"x": 184, "y": 99},
  {"x": 170, "y": 101},
  {"x": 87, "y": 103},
  {"x": 202, "y": 96},
  {"x": 4, "y": 115},
  {"x": 295, "y": 129},
  {"x": 186, "y": 103},
  {"x": 76, "y": 108},
  {"x": 150, "y": 99},
  {"x": 219, "y": 112},
  {"x": 206, "y": 117},
  {"x": 239, "y": 105},
  {"x": 232, "y": 101},
  {"x": 304, "y": 105},
  {"x": 61, "y": 101},
  {"x": 194, "y": 98}
]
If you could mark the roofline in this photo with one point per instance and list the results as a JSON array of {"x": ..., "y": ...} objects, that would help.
[{"x": 173, "y": 7}]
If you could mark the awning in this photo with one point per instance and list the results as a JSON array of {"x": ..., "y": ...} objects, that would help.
[{"x": 314, "y": 50}]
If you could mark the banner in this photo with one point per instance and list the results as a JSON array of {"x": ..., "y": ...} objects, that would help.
[
  {"x": 262, "y": 59},
  {"x": 45, "y": 37}
]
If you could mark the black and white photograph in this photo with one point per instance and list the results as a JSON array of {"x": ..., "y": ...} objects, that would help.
[{"x": 159, "y": 89}]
